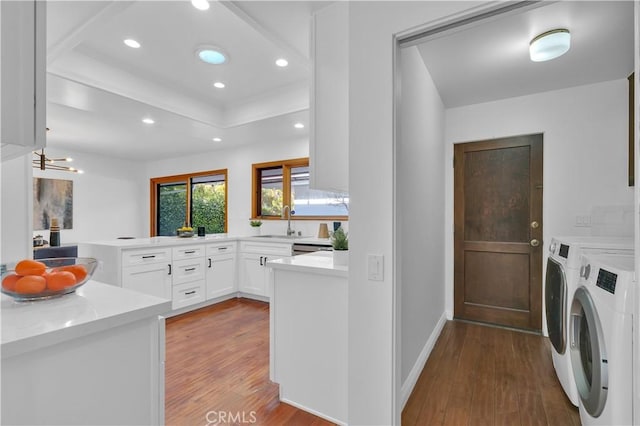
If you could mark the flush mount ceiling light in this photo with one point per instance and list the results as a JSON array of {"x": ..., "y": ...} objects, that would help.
[
  {"x": 282, "y": 62},
  {"x": 211, "y": 55},
  {"x": 148, "y": 120},
  {"x": 41, "y": 162},
  {"x": 550, "y": 45},
  {"x": 219, "y": 85},
  {"x": 132, "y": 43},
  {"x": 217, "y": 139},
  {"x": 299, "y": 126},
  {"x": 200, "y": 4}
]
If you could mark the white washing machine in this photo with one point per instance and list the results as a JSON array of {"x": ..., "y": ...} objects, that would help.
[
  {"x": 600, "y": 341},
  {"x": 561, "y": 281}
]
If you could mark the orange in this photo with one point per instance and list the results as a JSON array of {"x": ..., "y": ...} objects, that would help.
[
  {"x": 30, "y": 267},
  {"x": 9, "y": 282},
  {"x": 78, "y": 270},
  {"x": 31, "y": 284},
  {"x": 59, "y": 280}
]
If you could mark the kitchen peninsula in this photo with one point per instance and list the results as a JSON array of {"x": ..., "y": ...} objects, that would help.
[
  {"x": 308, "y": 334},
  {"x": 96, "y": 355}
]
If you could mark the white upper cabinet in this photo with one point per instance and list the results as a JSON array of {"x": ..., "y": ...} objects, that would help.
[
  {"x": 22, "y": 77},
  {"x": 329, "y": 141}
]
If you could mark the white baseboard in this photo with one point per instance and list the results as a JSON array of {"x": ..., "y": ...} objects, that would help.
[
  {"x": 314, "y": 412},
  {"x": 414, "y": 374}
]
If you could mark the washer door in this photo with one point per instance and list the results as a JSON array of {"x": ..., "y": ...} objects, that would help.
[
  {"x": 588, "y": 353},
  {"x": 555, "y": 296}
]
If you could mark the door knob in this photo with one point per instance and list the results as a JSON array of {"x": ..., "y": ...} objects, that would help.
[{"x": 534, "y": 243}]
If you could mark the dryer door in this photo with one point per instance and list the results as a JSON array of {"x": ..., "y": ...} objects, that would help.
[
  {"x": 555, "y": 296},
  {"x": 588, "y": 353}
]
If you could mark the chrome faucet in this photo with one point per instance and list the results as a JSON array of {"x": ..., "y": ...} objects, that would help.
[{"x": 287, "y": 209}]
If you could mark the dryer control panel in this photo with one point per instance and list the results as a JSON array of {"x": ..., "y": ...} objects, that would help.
[{"x": 607, "y": 280}]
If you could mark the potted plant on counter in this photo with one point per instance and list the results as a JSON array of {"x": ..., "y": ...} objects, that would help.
[
  {"x": 255, "y": 226},
  {"x": 340, "y": 243}
]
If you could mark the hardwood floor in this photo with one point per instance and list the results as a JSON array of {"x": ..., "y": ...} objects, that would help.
[
  {"x": 217, "y": 369},
  {"x": 481, "y": 375}
]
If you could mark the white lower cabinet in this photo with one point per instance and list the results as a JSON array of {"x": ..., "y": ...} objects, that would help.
[
  {"x": 188, "y": 276},
  {"x": 221, "y": 270},
  {"x": 152, "y": 278},
  {"x": 254, "y": 273}
]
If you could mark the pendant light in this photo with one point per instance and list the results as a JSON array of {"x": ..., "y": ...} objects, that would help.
[
  {"x": 41, "y": 162},
  {"x": 550, "y": 45}
]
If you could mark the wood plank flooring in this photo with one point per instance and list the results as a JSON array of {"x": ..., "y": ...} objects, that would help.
[
  {"x": 217, "y": 369},
  {"x": 482, "y": 375}
]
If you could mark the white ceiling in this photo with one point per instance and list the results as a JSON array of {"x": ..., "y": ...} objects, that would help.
[
  {"x": 99, "y": 90},
  {"x": 490, "y": 61}
]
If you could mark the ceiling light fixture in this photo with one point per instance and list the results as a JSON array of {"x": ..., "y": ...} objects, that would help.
[
  {"x": 299, "y": 126},
  {"x": 217, "y": 139},
  {"x": 43, "y": 163},
  {"x": 219, "y": 85},
  {"x": 282, "y": 62},
  {"x": 132, "y": 43},
  {"x": 211, "y": 55},
  {"x": 200, "y": 4},
  {"x": 550, "y": 45},
  {"x": 148, "y": 120}
]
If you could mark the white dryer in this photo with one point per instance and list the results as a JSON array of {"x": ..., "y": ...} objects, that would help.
[
  {"x": 561, "y": 281},
  {"x": 601, "y": 335}
]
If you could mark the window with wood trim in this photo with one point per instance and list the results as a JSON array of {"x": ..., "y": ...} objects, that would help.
[
  {"x": 286, "y": 183},
  {"x": 195, "y": 199}
]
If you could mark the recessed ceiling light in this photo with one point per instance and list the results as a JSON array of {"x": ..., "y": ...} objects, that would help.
[
  {"x": 217, "y": 139},
  {"x": 550, "y": 45},
  {"x": 211, "y": 55},
  {"x": 200, "y": 4},
  {"x": 282, "y": 62},
  {"x": 132, "y": 43},
  {"x": 299, "y": 126},
  {"x": 148, "y": 121},
  {"x": 219, "y": 85}
]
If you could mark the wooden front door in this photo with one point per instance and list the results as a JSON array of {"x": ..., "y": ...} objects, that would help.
[{"x": 498, "y": 231}]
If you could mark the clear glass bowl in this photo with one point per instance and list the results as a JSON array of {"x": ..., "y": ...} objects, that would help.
[
  {"x": 184, "y": 234},
  {"x": 81, "y": 267}
]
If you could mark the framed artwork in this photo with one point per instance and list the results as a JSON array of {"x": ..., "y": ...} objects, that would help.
[
  {"x": 52, "y": 198},
  {"x": 631, "y": 130}
]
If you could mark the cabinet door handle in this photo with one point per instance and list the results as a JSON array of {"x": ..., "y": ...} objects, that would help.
[
  {"x": 222, "y": 248},
  {"x": 189, "y": 269},
  {"x": 189, "y": 252},
  {"x": 209, "y": 262},
  {"x": 151, "y": 256},
  {"x": 261, "y": 261},
  {"x": 169, "y": 269},
  {"x": 190, "y": 292}
]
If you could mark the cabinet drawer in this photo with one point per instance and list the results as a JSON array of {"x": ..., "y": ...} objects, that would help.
[
  {"x": 146, "y": 256},
  {"x": 188, "y": 270},
  {"x": 278, "y": 249},
  {"x": 222, "y": 248},
  {"x": 188, "y": 252},
  {"x": 188, "y": 294}
]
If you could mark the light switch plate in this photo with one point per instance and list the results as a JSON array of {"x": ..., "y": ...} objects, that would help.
[{"x": 375, "y": 267}]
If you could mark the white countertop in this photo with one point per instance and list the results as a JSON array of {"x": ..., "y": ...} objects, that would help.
[
  {"x": 212, "y": 238},
  {"x": 320, "y": 262},
  {"x": 94, "y": 307}
]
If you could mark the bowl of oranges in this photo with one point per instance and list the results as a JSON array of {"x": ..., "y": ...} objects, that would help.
[{"x": 47, "y": 278}]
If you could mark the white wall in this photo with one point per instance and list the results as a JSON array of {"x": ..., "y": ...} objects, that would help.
[
  {"x": 15, "y": 231},
  {"x": 238, "y": 163},
  {"x": 420, "y": 214},
  {"x": 374, "y": 376},
  {"x": 107, "y": 198},
  {"x": 585, "y": 152}
]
